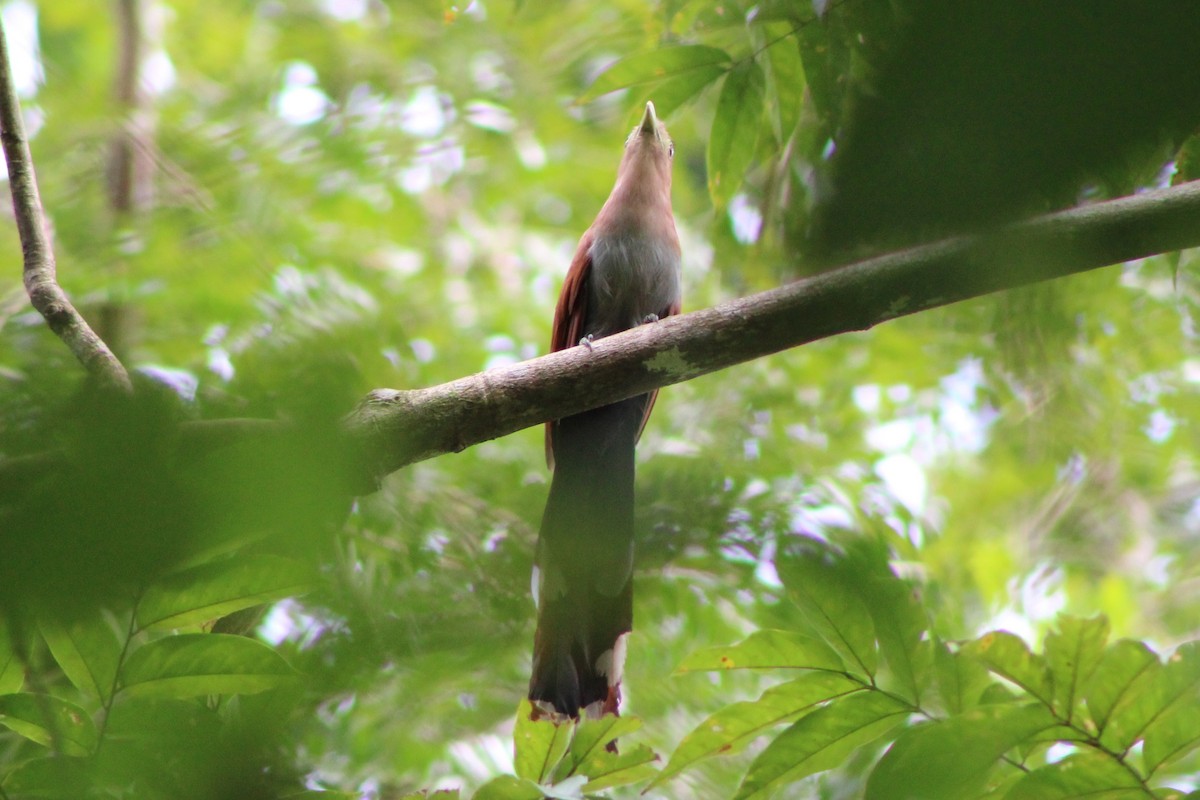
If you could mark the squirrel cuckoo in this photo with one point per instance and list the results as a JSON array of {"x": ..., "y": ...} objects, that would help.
[{"x": 626, "y": 271}]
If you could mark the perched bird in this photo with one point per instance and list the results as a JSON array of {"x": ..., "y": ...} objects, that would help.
[{"x": 626, "y": 271}]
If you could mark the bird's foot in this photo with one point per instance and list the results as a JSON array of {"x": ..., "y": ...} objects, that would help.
[
  {"x": 587, "y": 341},
  {"x": 650, "y": 318}
]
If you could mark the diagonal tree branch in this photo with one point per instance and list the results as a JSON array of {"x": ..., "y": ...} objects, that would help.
[
  {"x": 39, "y": 269},
  {"x": 394, "y": 428},
  {"x": 391, "y": 429}
]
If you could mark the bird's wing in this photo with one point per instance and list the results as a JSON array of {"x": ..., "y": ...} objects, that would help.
[
  {"x": 569, "y": 322},
  {"x": 572, "y": 300}
]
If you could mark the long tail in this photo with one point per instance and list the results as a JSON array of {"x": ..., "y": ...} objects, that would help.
[{"x": 584, "y": 578}]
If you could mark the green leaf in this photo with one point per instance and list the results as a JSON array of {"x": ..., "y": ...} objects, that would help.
[
  {"x": 821, "y": 740},
  {"x": 656, "y": 65},
  {"x": 832, "y": 606},
  {"x": 735, "y": 131},
  {"x": 507, "y": 787},
  {"x": 606, "y": 770},
  {"x": 766, "y": 649},
  {"x": 1073, "y": 652},
  {"x": 590, "y": 738},
  {"x": 736, "y": 725},
  {"x": 786, "y": 96},
  {"x": 1151, "y": 695},
  {"x": 12, "y": 671},
  {"x": 961, "y": 678},
  {"x": 49, "y": 721},
  {"x": 674, "y": 92},
  {"x": 58, "y": 777},
  {"x": 826, "y": 60},
  {"x": 588, "y": 755},
  {"x": 88, "y": 651},
  {"x": 197, "y": 595},
  {"x": 951, "y": 759},
  {"x": 1008, "y": 656},
  {"x": 899, "y": 624},
  {"x": 138, "y": 717},
  {"x": 1058, "y": 733},
  {"x": 1086, "y": 774},
  {"x": 197, "y": 664},
  {"x": 1172, "y": 736},
  {"x": 1124, "y": 665},
  {"x": 538, "y": 745}
]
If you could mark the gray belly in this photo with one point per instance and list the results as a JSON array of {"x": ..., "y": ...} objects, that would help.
[{"x": 631, "y": 278}]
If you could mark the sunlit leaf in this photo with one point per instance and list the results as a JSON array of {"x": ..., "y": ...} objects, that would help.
[
  {"x": 833, "y": 608},
  {"x": 820, "y": 740},
  {"x": 961, "y": 679},
  {"x": 766, "y": 649},
  {"x": 947, "y": 760},
  {"x": 203, "y": 593},
  {"x": 1153, "y": 694},
  {"x": 49, "y": 721},
  {"x": 1124, "y": 665},
  {"x": 1073, "y": 651},
  {"x": 197, "y": 664},
  {"x": 539, "y": 745},
  {"x": 590, "y": 739},
  {"x": 1173, "y": 735},
  {"x": 606, "y": 770},
  {"x": 1087, "y": 773},
  {"x": 673, "y": 93},
  {"x": 1008, "y": 656},
  {"x": 733, "y": 727},
  {"x": 655, "y": 65},
  {"x": 507, "y": 787},
  {"x": 735, "y": 130},
  {"x": 88, "y": 651},
  {"x": 899, "y": 624}
]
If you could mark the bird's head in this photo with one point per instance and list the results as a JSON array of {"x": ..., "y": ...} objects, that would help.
[
  {"x": 650, "y": 135},
  {"x": 649, "y": 150}
]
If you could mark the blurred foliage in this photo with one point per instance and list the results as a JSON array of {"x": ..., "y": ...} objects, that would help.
[
  {"x": 348, "y": 194},
  {"x": 1085, "y": 104}
]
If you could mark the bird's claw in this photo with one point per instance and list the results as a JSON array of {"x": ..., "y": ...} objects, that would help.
[
  {"x": 650, "y": 318},
  {"x": 587, "y": 341}
]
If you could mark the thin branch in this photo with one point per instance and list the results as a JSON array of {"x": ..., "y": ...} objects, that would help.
[
  {"x": 394, "y": 428},
  {"x": 40, "y": 279}
]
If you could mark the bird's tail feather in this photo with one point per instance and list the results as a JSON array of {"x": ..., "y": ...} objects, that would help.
[{"x": 585, "y": 563}]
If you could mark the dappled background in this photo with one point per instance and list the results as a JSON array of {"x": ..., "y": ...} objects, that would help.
[{"x": 307, "y": 200}]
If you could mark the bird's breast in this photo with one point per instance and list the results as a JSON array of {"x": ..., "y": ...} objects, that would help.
[{"x": 632, "y": 277}]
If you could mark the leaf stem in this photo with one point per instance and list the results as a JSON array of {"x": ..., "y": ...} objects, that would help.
[{"x": 111, "y": 696}]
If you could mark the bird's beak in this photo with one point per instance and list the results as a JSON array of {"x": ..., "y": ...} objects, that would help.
[{"x": 649, "y": 121}]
